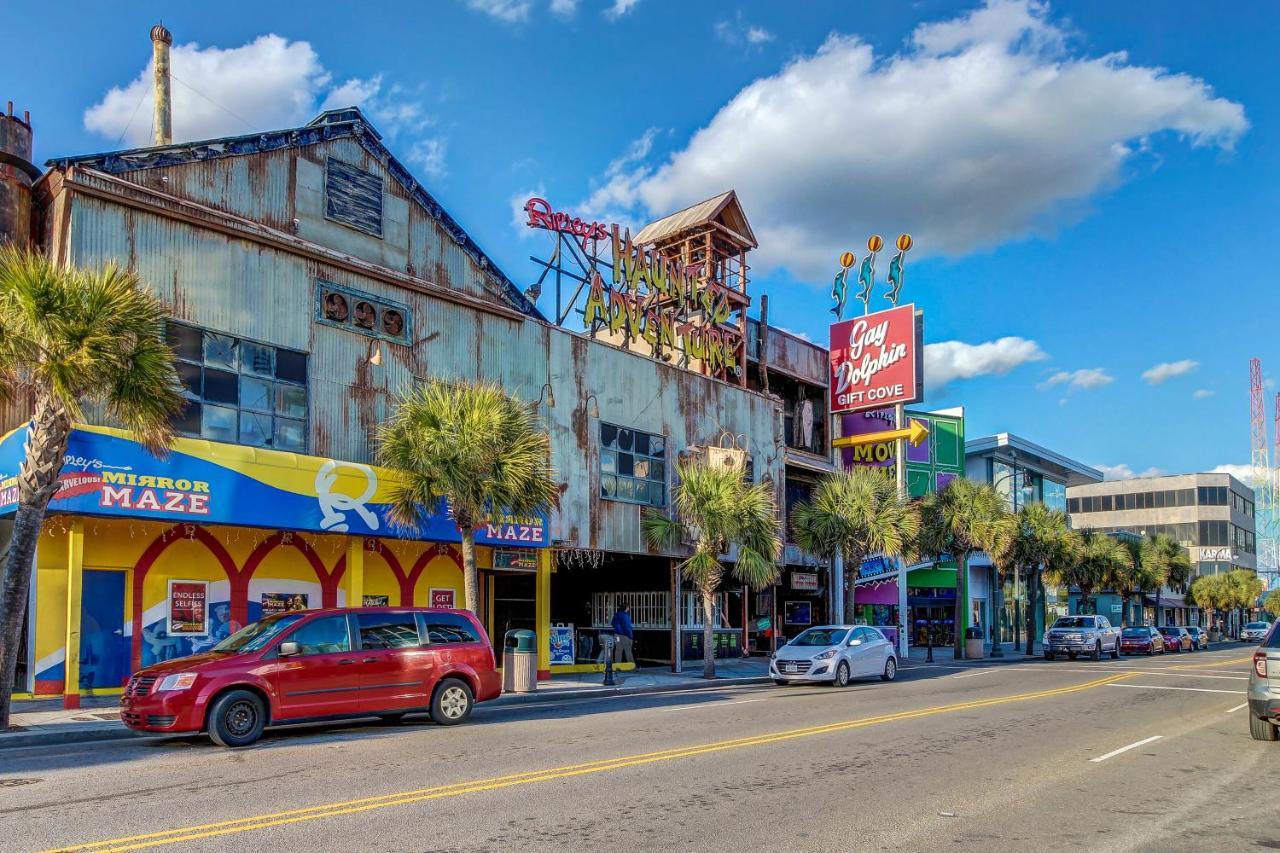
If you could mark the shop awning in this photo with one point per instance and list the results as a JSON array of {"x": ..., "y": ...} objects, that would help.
[{"x": 108, "y": 474}]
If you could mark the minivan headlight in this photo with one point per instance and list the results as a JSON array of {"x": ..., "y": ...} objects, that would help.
[
  {"x": 828, "y": 654},
  {"x": 180, "y": 681}
]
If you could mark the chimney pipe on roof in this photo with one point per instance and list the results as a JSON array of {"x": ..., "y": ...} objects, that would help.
[{"x": 160, "y": 41}]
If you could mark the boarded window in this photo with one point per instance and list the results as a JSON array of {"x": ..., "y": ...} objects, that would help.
[{"x": 353, "y": 197}]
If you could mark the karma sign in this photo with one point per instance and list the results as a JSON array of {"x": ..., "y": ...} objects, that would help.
[{"x": 874, "y": 361}]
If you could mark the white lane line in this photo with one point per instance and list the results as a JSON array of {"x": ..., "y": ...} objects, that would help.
[
  {"x": 709, "y": 705},
  {"x": 1113, "y": 753},
  {"x": 1162, "y": 687},
  {"x": 972, "y": 674},
  {"x": 1238, "y": 707}
]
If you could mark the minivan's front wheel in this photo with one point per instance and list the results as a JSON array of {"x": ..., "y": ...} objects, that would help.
[
  {"x": 237, "y": 718},
  {"x": 452, "y": 702}
]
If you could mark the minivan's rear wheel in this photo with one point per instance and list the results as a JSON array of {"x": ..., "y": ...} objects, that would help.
[
  {"x": 842, "y": 675},
  {"x": 890, "y": 670},
  {"x": 1261, "y": 729},
  {"x": 237, "y": 718},
  {"x": 452, "y": 702}
]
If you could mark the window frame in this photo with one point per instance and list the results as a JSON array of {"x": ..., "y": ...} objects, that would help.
[
  {"x": 424, "y": 631},
  {"x": 664, "y": 460},
  {"x": 410, "y": 615},
  {"x": 290, "y": 637}
]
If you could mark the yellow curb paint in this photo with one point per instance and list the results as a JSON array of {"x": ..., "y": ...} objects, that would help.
[{"x": 258, "y": 822}]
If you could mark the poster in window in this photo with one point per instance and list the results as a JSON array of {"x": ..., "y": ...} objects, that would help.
[
  {"x": 442, "y": 598},
  {"x": 376, "y": 601},
  {"x": 188, "y": 608},
  {"x": 561, "y": 644},
  {"x": 283, "y": 602},
  {"x": 798, "y": 613}
]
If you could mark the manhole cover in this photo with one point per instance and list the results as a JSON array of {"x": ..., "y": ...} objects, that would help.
[{"x": 13, "y": 783}]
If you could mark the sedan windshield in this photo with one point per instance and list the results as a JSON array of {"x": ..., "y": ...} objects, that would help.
[
  {"x": 821, "y": 637},
  {"x": 250, "y": 638},
  {"x": 1074, "y": 622},
  {"x": 1256, "y": 625}
]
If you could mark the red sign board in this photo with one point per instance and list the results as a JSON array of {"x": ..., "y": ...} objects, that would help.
[
  {"x": 442, "y": 598},
  {"x": 874, "y": 361}
]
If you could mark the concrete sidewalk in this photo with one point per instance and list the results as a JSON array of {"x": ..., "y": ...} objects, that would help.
[{"x": 44, "y": 721}]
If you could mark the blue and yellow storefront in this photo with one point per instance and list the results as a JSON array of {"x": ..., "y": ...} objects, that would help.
[{"x": 144, "y": 559}]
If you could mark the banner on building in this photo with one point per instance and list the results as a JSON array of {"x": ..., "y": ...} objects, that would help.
[
  {"x": 805, "y": 581},
  {"x": 876, "y": 361},
  {"x": 376, "y": 600},
  {"x": 283, "y": 602},
  {"x": 188, "y": 608}
]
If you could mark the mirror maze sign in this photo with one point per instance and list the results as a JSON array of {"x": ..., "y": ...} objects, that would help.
[{"x": 673, "y": 309}]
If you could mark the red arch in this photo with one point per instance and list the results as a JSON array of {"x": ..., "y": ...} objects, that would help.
[
  {"x": 420, "y": 565},
  {"x": 148, "y": 559},
  {"x": 328, "y": 580},
  {"x": 372, "y": 546}
]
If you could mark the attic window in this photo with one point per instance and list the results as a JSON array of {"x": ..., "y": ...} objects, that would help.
[{"x": 353, "y": 197}]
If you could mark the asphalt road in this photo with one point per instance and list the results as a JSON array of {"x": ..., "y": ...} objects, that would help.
[{"x": 948, "y": 757}]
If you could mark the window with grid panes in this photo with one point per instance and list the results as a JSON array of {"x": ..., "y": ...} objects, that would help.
[
  {"x": 240, "y": 391},
  {"x": 633, "y": 466}
]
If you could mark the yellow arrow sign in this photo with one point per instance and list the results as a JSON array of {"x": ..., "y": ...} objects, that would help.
[{"x": 915, "y": 434}]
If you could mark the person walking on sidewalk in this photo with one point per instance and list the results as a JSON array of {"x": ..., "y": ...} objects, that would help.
[{"x": 623, "y": 635}]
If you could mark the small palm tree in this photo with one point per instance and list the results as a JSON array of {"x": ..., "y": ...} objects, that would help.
[
  {"x": 717, "y": 510},
  {"x": 1272, "y": 603},
  {"x": 69, "y": 337},
  {"x": 1245, "y": 587},
  {"x": 1135, "y": 578},
  {"x": 856, "y": 513},
  {"x": 1167, "y": 563},
  {"x": 1209, "y": 592},
  {"x": 474, "y": 446},
  {"x": 966, "y": 516},
  {"x": 1102, "y": 560},
  {"x": 1043, "y": 541}
]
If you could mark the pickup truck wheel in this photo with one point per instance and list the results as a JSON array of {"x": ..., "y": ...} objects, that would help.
[
  {"x": 1260, "y": 729},
  {"x": 1096, "y": 654},
  {"x": 1048, "y": 655},
  {"x": 1115, "y": 652}
]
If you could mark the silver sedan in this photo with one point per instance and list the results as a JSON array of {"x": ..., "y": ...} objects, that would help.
[{"x": 835, "y": 654}]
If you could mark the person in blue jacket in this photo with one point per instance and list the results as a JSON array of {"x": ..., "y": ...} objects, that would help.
[{"x": 623, "y": 635}]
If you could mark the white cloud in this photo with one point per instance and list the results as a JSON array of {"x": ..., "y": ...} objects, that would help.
[
  {"x": 1168, "y": 370},
  {"x": 1202, "y": 394},
  {"x": 985, "y": 128},
  {"x": 1079, "y": 380},
  {"x": 429, "y": 154},
  {"x": 1243, "y": 473},
  {"x": 519, "y": 218},
  {"x": 950, "y": 360},
  {"x": 1124, "y": 472},
  {"x": 804, "y": 336},
  {"x": 620, "y": 8},
  {"x": 737, "y": 32},
  {"x": 564, "y": 8},
  {"x": 507, "y": 11}
]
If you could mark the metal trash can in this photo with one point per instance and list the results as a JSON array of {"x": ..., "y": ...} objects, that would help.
[
  {"x": 973, "y": 649},
  {"x": 520, "y": 662}
]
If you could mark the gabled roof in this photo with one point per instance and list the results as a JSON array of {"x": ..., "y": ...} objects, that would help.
[
  {"x": 331, "y": 124},
  {"x": 723, "y": 209}
]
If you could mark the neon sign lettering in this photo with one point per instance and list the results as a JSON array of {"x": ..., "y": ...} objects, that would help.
[{"x": 542, "y": 216}]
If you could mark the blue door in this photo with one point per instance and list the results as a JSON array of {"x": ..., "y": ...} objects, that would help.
[{"x": 104, "y": 649}]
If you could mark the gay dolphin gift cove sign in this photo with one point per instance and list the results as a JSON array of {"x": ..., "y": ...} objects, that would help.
[
  {"x": 876, "y": 360},
  {"x": 105, "y": 473}
]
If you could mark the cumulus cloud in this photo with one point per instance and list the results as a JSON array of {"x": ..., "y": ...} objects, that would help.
[
  {"x": 564, "y": 8},
  {"x": 1168, "y": 370},
  {"x": 984, "y": 128},
  {"x": 267, "y": 84},
  {"x": 739, "y": 32},
  {"x": 1202, "y": 394},
  {"x": 947, "y": 361},
  {"x": 1124, "y": 472},
  {"x": 1079, "y": 380},
  {"x": 620, "y": 8},
  {"x": 507, "y": 11},
  {"x": 1243, "y": 473}
]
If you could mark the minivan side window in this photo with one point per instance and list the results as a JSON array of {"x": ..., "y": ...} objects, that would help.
[
  {"x": 445, "y": 628},
  {"x": 323, "y": 636},
  {"x": 388, "y": 630}
]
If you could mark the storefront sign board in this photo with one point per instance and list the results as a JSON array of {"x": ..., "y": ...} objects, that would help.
[
  {"x": 188, "y": 608},
  {"x": 283, "y": 602},
  {"x": 561, "y": 639},
  {"x": 442, "y": 598},
  {"x": 807, "y": 581},
  {"x": 875, "y": 361}
]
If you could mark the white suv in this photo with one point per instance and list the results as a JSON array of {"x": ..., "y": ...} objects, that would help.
[
  {"x": 1254, "y": 632},
  {"x": 1264, "y": 689}
]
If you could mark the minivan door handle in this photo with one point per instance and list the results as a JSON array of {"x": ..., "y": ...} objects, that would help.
[
  {"x": 345, "y": 661},
  {"x": 369, "y": 660}
]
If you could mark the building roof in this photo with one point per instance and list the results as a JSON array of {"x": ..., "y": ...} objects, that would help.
[
  {"x": 331, "y": 124},
  {"x": 723, "y": 209},
  {"x": 1076, "y": 472}
]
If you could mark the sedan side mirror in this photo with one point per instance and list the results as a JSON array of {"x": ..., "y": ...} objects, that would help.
[{"x": 288, "y": 649}]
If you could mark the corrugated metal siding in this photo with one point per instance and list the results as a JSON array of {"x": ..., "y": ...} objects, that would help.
[{"x": 798, "y": 358}]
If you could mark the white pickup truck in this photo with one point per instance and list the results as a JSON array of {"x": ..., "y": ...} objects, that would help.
[{"x": 1082, "y": 635}]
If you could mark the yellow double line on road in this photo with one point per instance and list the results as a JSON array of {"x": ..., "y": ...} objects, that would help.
[{"x": 402, "y": 798}]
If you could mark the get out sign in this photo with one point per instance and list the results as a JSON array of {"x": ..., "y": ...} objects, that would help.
[{"x": 874, "y": 361}]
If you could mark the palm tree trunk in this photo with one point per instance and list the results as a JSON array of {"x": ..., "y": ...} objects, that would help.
[
  {"x": 962, "y": 602},
  {"x": 1158, "y": 590},
  {"x": 1124, "y": 613},
  {"x": 470, "y": 576},
  {"x": 1032, "y": 584},
  {"x": 851, "y": 614},
  {"x": 45, "y": 448},
  {"x": 708, "y": 632}
]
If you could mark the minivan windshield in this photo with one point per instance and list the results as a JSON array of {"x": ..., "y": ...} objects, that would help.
[
  {"x": 1074, "y": 622},
  {"x": 250, "y": 638},
  {"x": 821, "y": 637}
]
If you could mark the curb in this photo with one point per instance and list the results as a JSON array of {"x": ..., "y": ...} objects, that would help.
[{"x": 45, "y": 737}]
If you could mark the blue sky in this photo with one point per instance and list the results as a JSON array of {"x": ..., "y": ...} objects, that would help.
[{"x": 1091, "y": 185}]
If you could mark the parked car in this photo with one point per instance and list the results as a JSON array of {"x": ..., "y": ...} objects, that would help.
[
  {"x": 1177, "y": 638},
  {"x": 1199, "y": 636},
  {"x": 1253, "y": 632},
  {"x": 1141, "y": 640},
  {"x": 835, "y": 654},
  {"x": 319, "y": 664},
  {"x": 1082, "y": 635},
  {"x": 1264, "y": 688}
]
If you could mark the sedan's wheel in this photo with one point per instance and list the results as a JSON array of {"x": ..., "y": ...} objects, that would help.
[
  {"x": 842, "y": 675},
  {"x": 890, "y": 670},
  {"x": 452, "y": 702},
  {"x": 1260, "y": 729},
  {"x": 1071, "y": 655},
  {"x": 781, "y": 682},
  {"x": 1150, "y": 652},
  {"x": 237, "y": 718}
]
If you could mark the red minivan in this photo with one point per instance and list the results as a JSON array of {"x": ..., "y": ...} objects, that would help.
[{"x": 319, "y": 664}]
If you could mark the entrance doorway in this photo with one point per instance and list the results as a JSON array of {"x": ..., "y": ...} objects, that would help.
[
  {"x": 104, "y": 649},
  {"x": 512, "y": 604}
]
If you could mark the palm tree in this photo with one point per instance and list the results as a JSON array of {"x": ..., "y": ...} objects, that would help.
[
  {"x": 856, "y": 513},
  {"x": 1272, "y": 603},
  {"x": 1135, "y": 577},
  {"x": 1245, "y": 587},
  {"x": 966, "y": 516},
  {"x": 716, "y": 509},
  {"x": 1043, "y": 541},
  {"x": 1101, "y": 560},
  {"x": 71, "y": 337},
  {"x": 476, "y": 447},
  {"x": 1167, "y": 564},
  {"x": 1209, "y": 592}
]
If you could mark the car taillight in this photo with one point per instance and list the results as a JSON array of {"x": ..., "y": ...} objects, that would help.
[{"x": 1260, "y": 664}]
